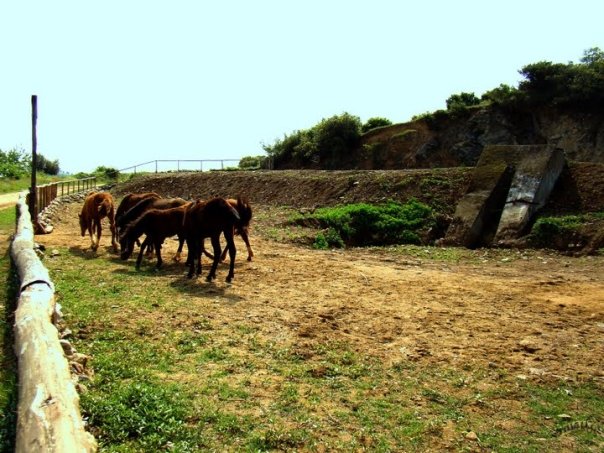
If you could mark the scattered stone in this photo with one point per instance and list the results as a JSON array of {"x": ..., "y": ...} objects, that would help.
[
  {"x": 68, "y": 349},
  {"x": 54, "y": 253},
  {"x": 472, "y": 436},
  {"x": 528, "y": 345},
  {"x": 564, "y": 416}
]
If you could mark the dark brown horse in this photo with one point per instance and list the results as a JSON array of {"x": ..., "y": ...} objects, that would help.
[
  {"x": 157, "y": 225},
  {"x": 205, "y": 219},
  {"x": 152, "y": 203},
  {"x": 130, "y": 200},
  {"x": 96, "y": 207}
]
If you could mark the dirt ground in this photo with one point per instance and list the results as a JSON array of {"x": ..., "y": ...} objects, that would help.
[{"x": 535, "y": 313}]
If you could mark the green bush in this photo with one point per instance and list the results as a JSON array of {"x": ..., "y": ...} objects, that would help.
[
  {"x": 363, "y": 224},
  {"x": 107, "y": 172},
  {"x": 328, "y": 141},
  {"x": 547, "y": 229},
  {"x": 252, "y": 162},
  {"x": 328, "y": 239},
  {"x": 375, "y": 122}
]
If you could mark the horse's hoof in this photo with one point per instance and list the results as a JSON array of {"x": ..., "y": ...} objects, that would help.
[
  {"x": 249, "y": 258},
  {"x": 229, "y": 279}
]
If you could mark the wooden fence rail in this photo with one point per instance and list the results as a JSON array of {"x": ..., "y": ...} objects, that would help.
[
  {"x": 48, "y": 192},
  {"x": 48, "y": 413}
]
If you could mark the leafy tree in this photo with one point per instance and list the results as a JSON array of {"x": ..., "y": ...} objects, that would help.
[
  {"x": 47, "y": 166},
  {"x": 330, "y": 139},
  {"x": 593, "y": 56},
  {"x": 374, "y": 122},
  {"x": 14, "y": 163},
  {"x": 461, "y": 101},
  {"x": 503, "y": 94}
]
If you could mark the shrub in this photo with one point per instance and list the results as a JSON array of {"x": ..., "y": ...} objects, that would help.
[
  {"x": 547, "y": 229},
  {"x": 363, "y": 224},
  {"x": 329, "y": 140},
  {"x": 375, "y": 122},
  {"x": 107, "y": 172},
  {"x": 328, "y": 239},
  {"x": 252, "y": 162}
]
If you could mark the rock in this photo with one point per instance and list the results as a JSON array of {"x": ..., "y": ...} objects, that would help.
[
  {"x": 68, "y": 349},
  {"x": 472, "y": 436},
  {"x": 528, "y": 345}
]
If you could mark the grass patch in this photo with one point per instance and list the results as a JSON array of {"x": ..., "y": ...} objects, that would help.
[
  {"x": 363, "y": 224},
  {"x": 8, "y": 365},
  {"x": 179, "y": 366},
  {"x": 9, "y": 185}
]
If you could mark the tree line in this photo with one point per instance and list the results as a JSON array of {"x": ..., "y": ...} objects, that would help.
[{"x": 16, "y": 163}]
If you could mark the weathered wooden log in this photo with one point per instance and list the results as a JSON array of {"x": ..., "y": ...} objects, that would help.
[{"x": 48, "y": 414}]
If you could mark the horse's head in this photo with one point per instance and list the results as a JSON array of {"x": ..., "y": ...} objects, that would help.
[
  {"x": 82, "y": 224},
  {"x": 126, "y": 247}
]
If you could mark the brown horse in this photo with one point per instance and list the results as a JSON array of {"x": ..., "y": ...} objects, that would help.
[
  {"x": 130, "y": 200},
  {"x": 157, "y": 225},
  {"x": 210, "y": 219},
  {"x": 151, "y": 203},
  {"x": 96, "y": 207}
]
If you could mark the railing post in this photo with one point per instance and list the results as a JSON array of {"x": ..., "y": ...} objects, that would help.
[{"x": 155, "y": 166}]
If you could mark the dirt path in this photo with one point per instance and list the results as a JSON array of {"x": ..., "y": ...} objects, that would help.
[
  {"x": 532, "y": 313},
  {"x": 8, "y": 199}
]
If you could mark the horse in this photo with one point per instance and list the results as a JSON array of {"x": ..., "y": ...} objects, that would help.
[
  {"x": 157, "y": 225},
  {"x": 210, "y": 219},
  {"x": 152, "y": 203},
  {"x": 96, "y": 207},
  {"x": 130, "y": 200}
]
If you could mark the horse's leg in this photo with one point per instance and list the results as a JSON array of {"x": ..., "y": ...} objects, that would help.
[
  {"x": 216, "y": 246},
  {"x": 139, "y": 259},
  {"x": 191, "y": 244},
  {"x": 198, "y": 249},
  {"x": 113, "y": 231},
  {"x": 157, "y": 245},
  {"x": 228, "y": 235},
  {"x": 181, "y": 242},
  {"x": 246, "y": 239},
  {"x": 97, "y": 223}
]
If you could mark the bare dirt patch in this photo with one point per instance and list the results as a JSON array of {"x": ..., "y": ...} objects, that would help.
[{"x": 533, "y": 313}]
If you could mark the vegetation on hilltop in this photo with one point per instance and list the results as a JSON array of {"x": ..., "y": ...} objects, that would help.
[
  {"x": 330, "y": 142},
  {"x": 16, "y": 163}
]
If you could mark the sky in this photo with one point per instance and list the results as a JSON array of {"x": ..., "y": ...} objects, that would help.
[{"x": 124, "y": 82}]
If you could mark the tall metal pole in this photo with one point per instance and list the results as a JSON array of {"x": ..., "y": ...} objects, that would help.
[{"x": 34, "y": 160}]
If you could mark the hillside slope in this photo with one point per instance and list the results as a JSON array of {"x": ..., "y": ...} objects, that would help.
[
  {"x": 581, "y": 187},
  {"x": 443, "y": 139}
]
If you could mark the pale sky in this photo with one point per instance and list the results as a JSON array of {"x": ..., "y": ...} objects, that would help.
[{"x": 124, "y": 82}]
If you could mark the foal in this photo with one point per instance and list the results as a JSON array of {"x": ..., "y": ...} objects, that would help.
[
  {"x": 96, "y": 207},
  {"x": 152, "y": 203},
  {"x": 157, "y": 224},
  {"x": 210, "y": 219}
]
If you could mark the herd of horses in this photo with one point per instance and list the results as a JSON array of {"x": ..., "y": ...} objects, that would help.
[{"x": 159, "y": 218}]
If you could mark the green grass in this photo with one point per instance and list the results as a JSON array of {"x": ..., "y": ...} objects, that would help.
[
  {"x": 9, "y": 185},
  {"x": 8, "y": 366},
  {"x": 364, "y": 224},
  {"x": 171, "y": 375}
]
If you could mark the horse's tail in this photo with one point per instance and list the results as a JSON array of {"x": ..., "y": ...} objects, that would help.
[
  {"x": 245, "y": 214},
  {"x": 235, "y": 215}
]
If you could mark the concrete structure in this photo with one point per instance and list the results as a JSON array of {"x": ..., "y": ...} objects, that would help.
[{"x": 509, "y": 185}]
